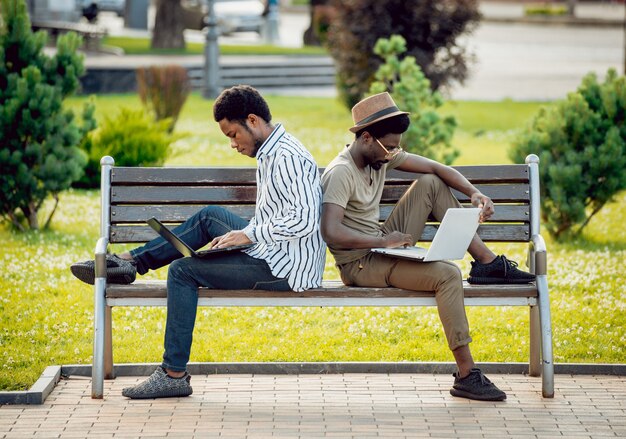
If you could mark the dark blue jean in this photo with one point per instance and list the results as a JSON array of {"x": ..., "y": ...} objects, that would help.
[{"x": 227, "y": 271}]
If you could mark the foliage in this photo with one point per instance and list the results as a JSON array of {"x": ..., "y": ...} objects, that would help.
[
  {"x": 132, "y": 138},
  {"x": 163, "y": 90},
  {"x": 429, "y": 134},
  {"x": 581, "y": 143},
  {"x": 431, "y": 28},
  {"x": 39, "y": 154}
]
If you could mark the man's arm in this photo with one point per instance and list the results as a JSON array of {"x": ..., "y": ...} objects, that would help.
[
  {"x": 452, "y": 178},
  {"x": 340, "y": 236}
]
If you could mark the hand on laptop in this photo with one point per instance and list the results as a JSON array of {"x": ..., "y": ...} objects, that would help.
[
  {"x": 397, "y": 239},
  {"x": 234, "y": 237},
  {"x": 485, "y": 203}
]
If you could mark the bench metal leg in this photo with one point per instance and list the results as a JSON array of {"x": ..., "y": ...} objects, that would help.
[
  {"x": 97, "y": 377},
  {"x": 534, "y": 369},
  {"x": 109, "y": 373},
  {"x": 547, "y": 377}
]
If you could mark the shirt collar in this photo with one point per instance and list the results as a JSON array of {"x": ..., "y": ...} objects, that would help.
[{"x": 271, "y": 143}]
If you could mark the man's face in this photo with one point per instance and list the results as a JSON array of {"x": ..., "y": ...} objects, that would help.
[
  {"x": 381, "y": 149},
  {"x": 246, "y": 139}
]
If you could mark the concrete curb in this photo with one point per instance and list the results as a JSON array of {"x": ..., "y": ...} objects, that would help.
[
  {"x": 38, "y": 393},
  {"x": 52, "y": 374}
]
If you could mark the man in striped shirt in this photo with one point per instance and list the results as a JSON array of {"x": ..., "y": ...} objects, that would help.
[{"x": 288, "y": 252}]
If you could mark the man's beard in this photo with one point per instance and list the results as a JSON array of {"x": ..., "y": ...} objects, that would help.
[{"x": 257, "y": 145}]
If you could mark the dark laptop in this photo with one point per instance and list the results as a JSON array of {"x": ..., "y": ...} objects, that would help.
[{"x": 183, "y": 248}]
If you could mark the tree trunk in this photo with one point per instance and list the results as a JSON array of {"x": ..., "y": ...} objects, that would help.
[{"x": 168, "y": 26}]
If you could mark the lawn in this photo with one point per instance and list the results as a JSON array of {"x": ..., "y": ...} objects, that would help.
[
  {"x": 46, "y": 314},
  {"x": 141, "y": 46}
]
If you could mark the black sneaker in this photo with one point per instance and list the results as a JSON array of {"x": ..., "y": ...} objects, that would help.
[
  {"x": 499, "y": 271},
  {"x": 476, "y": 386},
  {"x": 119, "y": 271}
]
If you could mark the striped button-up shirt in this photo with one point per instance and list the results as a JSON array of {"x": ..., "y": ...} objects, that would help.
[{"x": 286, "y": 222}]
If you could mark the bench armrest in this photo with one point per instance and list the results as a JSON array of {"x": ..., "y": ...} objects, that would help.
[
  {"x": 538, "y": 255},
  {"x": 101, "y": 260}
]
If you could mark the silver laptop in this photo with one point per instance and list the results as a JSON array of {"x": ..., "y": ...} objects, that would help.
[
  {"x": 451, "y": 241},
  {"x": 182, "y": 246}
]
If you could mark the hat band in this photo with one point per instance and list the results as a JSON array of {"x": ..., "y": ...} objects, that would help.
[{"x": 377, "y": 115}]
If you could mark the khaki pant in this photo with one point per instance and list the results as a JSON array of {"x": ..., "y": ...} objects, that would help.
[{"x": 427, "y": 195}]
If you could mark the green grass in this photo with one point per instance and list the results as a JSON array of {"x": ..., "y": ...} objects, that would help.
[
  {"x": 141, "y": 46},
  {"x": 46, "y": 316}
]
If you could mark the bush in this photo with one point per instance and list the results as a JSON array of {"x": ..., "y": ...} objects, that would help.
[
  {"x": 431, "y": 29},
  {"x": 163, "y": 90},
  {"x": 39, "y": 154},
  {"x": 581, "y": 143},
  {"x": 132, "y": 138},
  {"x": 429, "y": 134}
]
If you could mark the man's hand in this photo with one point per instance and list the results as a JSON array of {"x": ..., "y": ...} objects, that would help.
[
  {"x": 234, "y": 237},
  {"x": 485, "y": 203},
  {"x": 397, "y": 239}
]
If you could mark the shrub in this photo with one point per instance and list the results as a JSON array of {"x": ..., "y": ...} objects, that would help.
[
  {"x": 39, "y": 154},
  {"x": 431, "y": 29},
  {"x": 581, "y": 143},
  {"x": 132, "y": 138},
  {"x": 429, "y": 134},
  {"x": 163, "y": 90}
]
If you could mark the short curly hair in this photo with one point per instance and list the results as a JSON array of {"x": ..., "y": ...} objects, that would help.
[{"x": 236, "y": 103}]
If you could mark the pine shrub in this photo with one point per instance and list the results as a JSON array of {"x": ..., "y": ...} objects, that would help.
[
  {"x": 429, "y": 134},
  {"x": 39, "y": 154},
  {"x": 581, "y": 144}
]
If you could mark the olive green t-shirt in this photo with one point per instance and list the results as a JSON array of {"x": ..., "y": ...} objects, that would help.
[{"x": 349, "y": 187}]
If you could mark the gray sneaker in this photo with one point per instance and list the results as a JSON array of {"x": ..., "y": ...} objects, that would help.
[
  {"x": 476, "y": 386},
  {"x": 160, "y": 385}
]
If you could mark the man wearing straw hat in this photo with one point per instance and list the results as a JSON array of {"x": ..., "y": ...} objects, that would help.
[{"x": 353, "y": 184}]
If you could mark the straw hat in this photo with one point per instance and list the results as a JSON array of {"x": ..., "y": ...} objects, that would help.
[{"x": 374, "y": 109}]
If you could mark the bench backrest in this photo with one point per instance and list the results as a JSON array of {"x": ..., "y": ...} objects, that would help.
[{"x": 174, "y": 194}]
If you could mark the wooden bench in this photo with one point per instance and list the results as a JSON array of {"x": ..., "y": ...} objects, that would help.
[
  {"x": 92, "y": 34},
  {"x": 131, "y": 195}
]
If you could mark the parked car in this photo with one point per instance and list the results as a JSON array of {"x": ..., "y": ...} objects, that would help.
[{"x": 232, "y": 15}]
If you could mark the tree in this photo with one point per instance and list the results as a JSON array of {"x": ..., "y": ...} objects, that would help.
[
  {"x": 431, "y": 29},
  {"x": 39, "y": 156},
  {"x": 429, "y": 134},
  {"x": 581, "y": 144},
  {"x": 168, "y": 25}
]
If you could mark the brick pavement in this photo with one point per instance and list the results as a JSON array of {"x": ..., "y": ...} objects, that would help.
[{"x": 315, "y": 406}]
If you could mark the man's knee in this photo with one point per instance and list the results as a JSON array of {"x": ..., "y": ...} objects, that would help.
[{"x": 430, "y": 181}]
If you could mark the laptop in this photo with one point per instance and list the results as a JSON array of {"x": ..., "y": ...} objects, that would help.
[
  {"x": 451, "y": 241},
  {"x": 183, "y": 248}
]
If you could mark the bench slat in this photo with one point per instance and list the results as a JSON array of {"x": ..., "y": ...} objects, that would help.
[
  {"x": 247, "y": 194},
  {"x": 245, "y": 176},
  {"x": 157, "y": 289},
  {"x": 179, "y": 213},
  {"x": 476, "y": 174},
  {"x": 192, "y": 195},
  {"x": 183, "y": 176},
  {"x": 508, "y": 193},
  {"x": 488, "y": 232}
]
